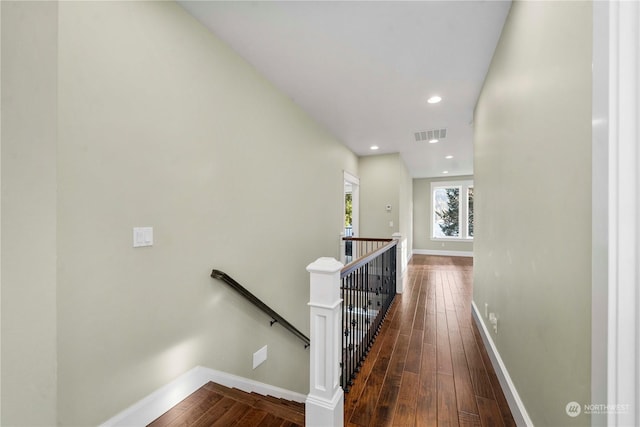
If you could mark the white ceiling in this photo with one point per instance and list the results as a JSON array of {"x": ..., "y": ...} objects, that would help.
[{"x": 366, "y": 69}]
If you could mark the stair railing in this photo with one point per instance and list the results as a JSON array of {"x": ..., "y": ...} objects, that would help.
[
  {"x": 362, "y": 284},
  {"x": 358, "y": 247},
  {"x": 367, "y": 289},
  {"x": 276, "y": 318}
]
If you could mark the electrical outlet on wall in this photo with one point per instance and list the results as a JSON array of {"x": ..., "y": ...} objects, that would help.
[
  {"x": 259, "y": 357},
  {"x": 493, "y": 320}
]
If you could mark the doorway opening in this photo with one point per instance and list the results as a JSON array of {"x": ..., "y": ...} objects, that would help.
[{"x": 351, "y": 201}]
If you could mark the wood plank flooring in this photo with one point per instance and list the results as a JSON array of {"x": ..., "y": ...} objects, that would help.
[
  {"x": 428, "y": 366},
  {"x": 216, "y": 405}
]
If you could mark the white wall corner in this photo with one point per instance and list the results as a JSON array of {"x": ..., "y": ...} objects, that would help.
[{"x": 516, "y": 405}]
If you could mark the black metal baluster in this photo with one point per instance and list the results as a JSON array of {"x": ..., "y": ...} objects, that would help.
[
  {"x": 368, "y": 289},
  {"x": 354, "y": 285},
  {"x": 390, "y": 272},
  {"x": 347, "y": 329},
  {"x": 380, "y": 287},
  {"x": 354, "y": 338},
  {"x": 343, "y": 281},
  {"x": 364, "y": 340},
  {"x": 363, "y": 337}
]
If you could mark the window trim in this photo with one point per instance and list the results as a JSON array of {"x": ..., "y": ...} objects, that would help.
[{"x": 463, "y": 213}]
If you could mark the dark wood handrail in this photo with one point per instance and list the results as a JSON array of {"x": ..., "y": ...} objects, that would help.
[
  {"x": 220, "y": 275},
  {"x": 366, "y": 239},
  {"x": 362, "y": 261}
]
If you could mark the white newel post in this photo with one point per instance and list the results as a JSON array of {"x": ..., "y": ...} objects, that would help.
[
  {"x": 343, "y": 249},
  {"x": 399, "y": 262},
  {"x": 325, "y": 402}
]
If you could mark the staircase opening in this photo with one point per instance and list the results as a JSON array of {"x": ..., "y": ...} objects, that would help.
[{"x": 217, "y": 405}]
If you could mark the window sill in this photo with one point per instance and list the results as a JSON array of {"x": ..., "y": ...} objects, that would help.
[{"x": 451, "y": 239}]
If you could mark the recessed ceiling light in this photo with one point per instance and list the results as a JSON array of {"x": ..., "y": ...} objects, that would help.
[
  {"x": 374, "y": 147},
  {"x": 434, "y": 99},
  {"x": 433, "y": 141},
  {"x": 445, "y": 171},
  {"x": 449, "y": 157}
]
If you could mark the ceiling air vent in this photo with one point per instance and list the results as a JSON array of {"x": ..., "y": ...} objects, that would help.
[{"x": 431, "y": 135}]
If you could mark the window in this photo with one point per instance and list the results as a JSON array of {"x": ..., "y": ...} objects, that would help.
[
  {"x": 470, "y": 212},
  {"x": 452, "y": 213}
]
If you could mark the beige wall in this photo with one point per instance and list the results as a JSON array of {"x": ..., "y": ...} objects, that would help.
[
  {"x": 405, "y": 199},
  {"x": 533, "y": 204},
  {"x": 1, "y": 212},
  {"x": 28, "y": 262},
  {"x": 422, "y": 206},
  {"x": 159, "y": 124},
  {"x": 385, "y": 180}
]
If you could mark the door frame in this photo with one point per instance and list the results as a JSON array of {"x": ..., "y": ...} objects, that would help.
[
  {"x": 355, "y": 201},
  {"x": 615, "y": 369}
]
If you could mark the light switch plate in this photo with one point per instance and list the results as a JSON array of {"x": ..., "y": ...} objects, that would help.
[{"x": 142, "y": 236}]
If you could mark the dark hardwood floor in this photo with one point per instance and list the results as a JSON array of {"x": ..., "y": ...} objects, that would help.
[
  {"x": 216, "y": 405},
  {"x": 428, "y": 366}
]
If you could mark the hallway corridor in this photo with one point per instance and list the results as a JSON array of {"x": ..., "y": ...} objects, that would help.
[{"x": 428, "y": 366}]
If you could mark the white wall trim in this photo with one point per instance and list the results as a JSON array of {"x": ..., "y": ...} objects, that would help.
[
  {"x": 441, "y": 253},
  {"x": 623, "y": 352},
  {"x": 348, "y": 176},
  {"x": 160, "y": 401},
  {"x": 516, "y": 405}
]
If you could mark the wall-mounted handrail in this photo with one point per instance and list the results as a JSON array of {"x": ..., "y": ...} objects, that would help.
[{"x": 220, "y": 275}]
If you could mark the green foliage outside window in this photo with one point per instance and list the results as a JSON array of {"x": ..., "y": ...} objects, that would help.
[{"x": 448, "y": 217}]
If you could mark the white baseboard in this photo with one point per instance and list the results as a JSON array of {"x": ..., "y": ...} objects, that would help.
[
  {"x": 160, "y": 401},
  {"x": 516, "y": 405},
  {"x": 442, "y": 253}
]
